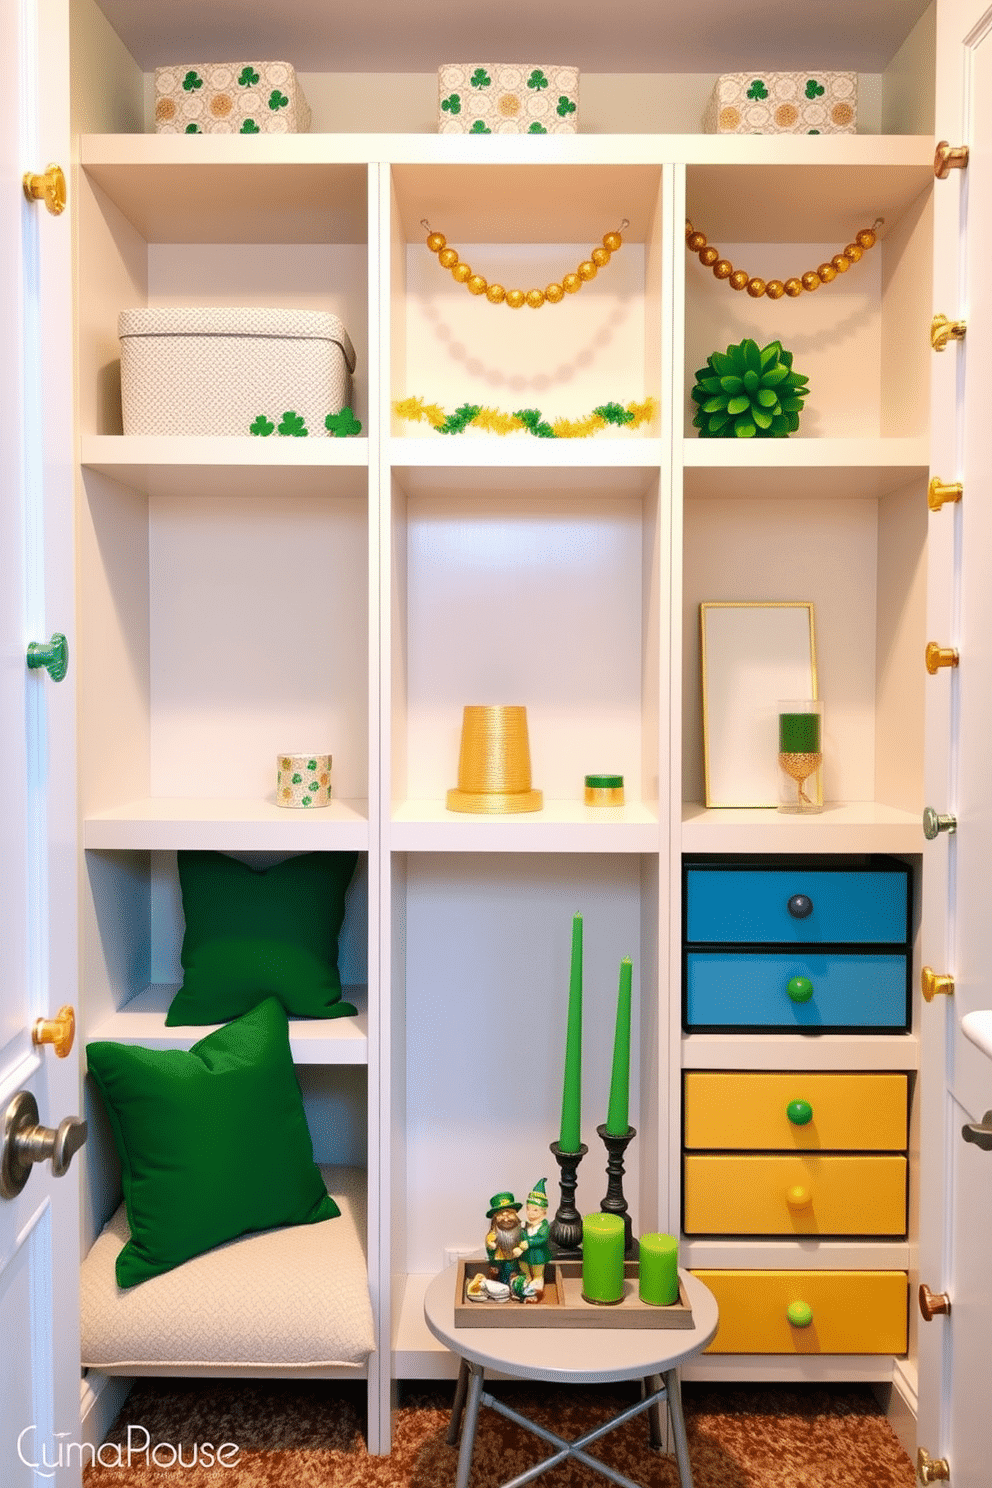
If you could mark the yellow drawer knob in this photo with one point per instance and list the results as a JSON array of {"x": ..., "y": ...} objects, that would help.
[
  {"x": 798, "y": 1197},
  {"x": 800, "y": 1314}
]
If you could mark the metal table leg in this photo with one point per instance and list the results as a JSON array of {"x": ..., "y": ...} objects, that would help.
[
  {"x": 471, "y": 1422},
  {"x": 674, "y": 1391},
  {"x": 458, "y": 1404}
]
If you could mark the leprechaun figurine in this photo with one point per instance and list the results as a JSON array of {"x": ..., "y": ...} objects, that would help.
[
  {"x": 505, "y": 1242},
  {"x": 537, "y": 1234}
]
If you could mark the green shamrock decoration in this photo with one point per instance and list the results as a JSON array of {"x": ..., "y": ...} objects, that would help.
[
  {"x": 757, "y": 89},
  {"x": 248, "y": 77},
  {"x": 191, "y": 82},
  {"x": 297, "y": 779},
  {"x": 749, "y": 393},
  {"x": 813, "y": 88},
  {"x": 293, "y": 423},
  {"x": 312, "y": 765},
  {"x": 565, "y": 106},
  {"x": 249, "y": 127},
  {"x": 306, "y": 801},
  {"x": 262, "y": 426},
  {"x": 536, "y": 128},
  {"x": 278, "y": 100},
  {"x": 480, "y": 78},
  {"x": 479, "y": 128},
  {"x": 193, "y": 129},
  {"x": 537, "y": 79},
  {"x": 342, "y": 424},
  {"x": 812, "y": 131},
  {"x": 452, "y": 104}
]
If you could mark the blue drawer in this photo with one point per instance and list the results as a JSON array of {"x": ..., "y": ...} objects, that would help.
[
  {"x": 752, "y": 904},
  {"x": 738, "y": 989}
]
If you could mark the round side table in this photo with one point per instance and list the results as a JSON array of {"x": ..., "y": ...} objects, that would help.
[{"x": 578, "y": 1356}]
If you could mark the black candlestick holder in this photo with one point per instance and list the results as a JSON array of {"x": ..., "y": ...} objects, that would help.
[
  {"x": 615, "y": 1203},
  {"x": 566, "y": 1227}
]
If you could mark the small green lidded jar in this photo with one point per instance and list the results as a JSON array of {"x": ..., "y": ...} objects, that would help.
[
  {"x": 800, "y": 755},
  {"x": 604, "y": 790}
]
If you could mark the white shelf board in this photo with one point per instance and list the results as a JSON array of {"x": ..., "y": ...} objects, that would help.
[
  {"x": 235, "y": 188},
  {"x": 849, "y": 827},
  {"x": 800, "y": 1051},
  {"x": 159, "y": 823},
  {"x": 561, "y": 827},
  {"x": 515, "y": 462},
  {"x": 417, "y": 1354},
  {"x": 312, "y": 1040},
  {"x": 229, "y": 466},
  {"x": 797, "y": 1253},
  {"x": 810, "y": 468},
  {"x": 751, "y": 1369}
]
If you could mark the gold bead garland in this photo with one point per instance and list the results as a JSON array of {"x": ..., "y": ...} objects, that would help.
[
  {"x": 774, "y": 289},
  {"x": 552, "y": 294}
]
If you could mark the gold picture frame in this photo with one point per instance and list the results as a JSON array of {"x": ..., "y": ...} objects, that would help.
[{"x": 752, "y": 655}]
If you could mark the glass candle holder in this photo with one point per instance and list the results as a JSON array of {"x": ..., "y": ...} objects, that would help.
[{"x": 800, "y": 755}]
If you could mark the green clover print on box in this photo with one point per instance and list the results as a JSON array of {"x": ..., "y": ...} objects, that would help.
[
  {"x": 479, "y": 128},
  {"x": 191, "y": 82},
  {"x": 814, "y": 89},
  {"x": 565, "y": 107},
  {"x": 537, "y": 79},
  {"x": 452, "y": 104},
  {"x": 757, "y": 89},
  {"x": 248, "y": 77},
  {"x": 480, "y": 78},
  {"x": 249, "y": 127},
  {"x": 278, "y": 100}
]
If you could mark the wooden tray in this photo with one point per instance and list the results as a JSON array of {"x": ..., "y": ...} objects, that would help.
[{"x": 562, "y": 1305}]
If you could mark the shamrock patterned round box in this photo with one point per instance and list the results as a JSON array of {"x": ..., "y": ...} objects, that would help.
[
  {"x": 507, "y": 98},
  {"x": 783, "y": 103},
  {"x": 229, "y": 98},
  {"x": 234, "y": 370},
  {"x": 303, "y": 781}
]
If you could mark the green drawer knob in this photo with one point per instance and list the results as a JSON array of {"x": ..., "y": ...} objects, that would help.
[
  {"x": 799, "y": 1112},
  {"x": 800, "y": 1314},
  {"x": 800, "y": 989}
]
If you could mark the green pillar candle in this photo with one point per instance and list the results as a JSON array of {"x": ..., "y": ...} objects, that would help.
[
  {"x": 569, "y": 1139},
  {"x": 799, "y": 733},
  {"x": 602, "y": 1257},
  {"x": 658, "y": 1272},
  {"x": 618, "y": 1114}
]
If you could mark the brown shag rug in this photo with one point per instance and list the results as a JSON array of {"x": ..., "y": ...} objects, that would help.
[{"x": 288, "y": 1434}]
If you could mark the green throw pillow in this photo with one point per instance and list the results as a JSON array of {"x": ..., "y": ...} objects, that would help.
[
  {"x": 213, "y": 1143},
  {"x": 254, "y": 933}
]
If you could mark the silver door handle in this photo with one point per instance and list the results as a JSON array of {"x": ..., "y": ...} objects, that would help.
[
  {"x": 25, "y": 1142},
  {"x": 979, "y": 1133}
]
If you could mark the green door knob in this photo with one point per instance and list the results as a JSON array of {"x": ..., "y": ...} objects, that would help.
[
  {"x": 800, "y": 1314},
  {"x": 799, "y": 1112},
  {"x": 53, "y": 655},
  {"x": 800, "y": 989}
]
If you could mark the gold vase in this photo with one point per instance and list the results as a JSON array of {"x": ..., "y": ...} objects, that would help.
[{"x": 494, "y": 763}]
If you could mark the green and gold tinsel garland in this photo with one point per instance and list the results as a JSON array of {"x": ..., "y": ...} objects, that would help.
[{"x": 494, "y": 421}]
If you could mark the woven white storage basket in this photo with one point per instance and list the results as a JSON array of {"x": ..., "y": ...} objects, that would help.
[{"x": 215, "y": 371}]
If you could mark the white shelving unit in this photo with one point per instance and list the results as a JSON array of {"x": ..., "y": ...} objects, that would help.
[{"x": 240, "y": 595}]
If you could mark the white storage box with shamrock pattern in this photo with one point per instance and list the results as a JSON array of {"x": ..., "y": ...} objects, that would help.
[
  {"x": 233, "y": 371},
  {"x": 507, "y": 98},
  {"x": 783, "y": 103},
  {"x": 229, "y": 98}
]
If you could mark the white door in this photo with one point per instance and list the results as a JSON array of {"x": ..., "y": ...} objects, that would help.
[
  {"x": 956, "y": 1178},
  {"x": 39, "y": 1230}
]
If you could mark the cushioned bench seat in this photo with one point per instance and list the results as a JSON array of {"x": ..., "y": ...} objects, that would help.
[{"x": 288, "y": 1300}]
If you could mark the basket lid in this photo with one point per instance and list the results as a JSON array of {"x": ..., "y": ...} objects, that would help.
[{"x": 233, "y": 320}]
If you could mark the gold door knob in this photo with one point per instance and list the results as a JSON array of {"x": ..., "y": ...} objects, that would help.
[
  {"x": 947, "y": 158},
  {"x": 931, "y": 1469},
  {"x": 49, "y": 188},
  {"x": 940, "y": 656},
  {"x": 58, "y": 1031},
  {"x": 932, "y": 984},
  {"x": 932, "y": 1303},
  {"x": 939, "y": 493},
  {"x": 943, "y": 330}
]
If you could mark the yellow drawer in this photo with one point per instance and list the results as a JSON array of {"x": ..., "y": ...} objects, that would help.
[
  {"x": 850, "y": 1312},
  {"x": 794, "y": 1194},
  {"x": 740, "y": 1110}
]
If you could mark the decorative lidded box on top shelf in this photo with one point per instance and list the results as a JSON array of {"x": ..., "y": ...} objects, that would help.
[
  {"x": 783, "y": 103},
  {"x": 233, "y": 370},
  {"x": 507, "y": 98},
  {"x": 229, "y": 98}
]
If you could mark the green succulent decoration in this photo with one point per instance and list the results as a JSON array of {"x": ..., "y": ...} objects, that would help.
[{"x": 749, "y": 393}]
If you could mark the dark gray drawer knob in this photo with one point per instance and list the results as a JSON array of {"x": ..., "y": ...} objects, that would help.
[{"x": 800, "y": 906}]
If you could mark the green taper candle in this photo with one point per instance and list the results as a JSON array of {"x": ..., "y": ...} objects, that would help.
[
  {"x": 617, "y": 1118},
  {"x": 658, "y": 1273},
  {"x": 569, "y": 1139},
  {"x": 602, "y": 1257}
]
